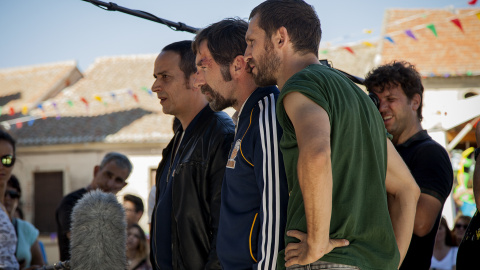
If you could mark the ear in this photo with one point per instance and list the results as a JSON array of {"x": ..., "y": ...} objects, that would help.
[
  {"x": 238, "y": 66},
  {"x": 96, "y": 169},
  {"x": 416, "y": 100},
  {"x": 281, "y": 37}
]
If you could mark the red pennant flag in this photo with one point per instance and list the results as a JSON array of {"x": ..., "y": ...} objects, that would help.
[
  {"x": 19, "y": 125},
  {"x": 457, "y": 23},
  {"x": 11, "y": 111},
  {"x": 473, "y": 2},
  {"x": 349, "y": 49},
  {"x": 84, "y": 101},
  {"x": 136, "y": 98}
]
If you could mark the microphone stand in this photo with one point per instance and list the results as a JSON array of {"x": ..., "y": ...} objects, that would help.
[{"x": 145, "y": 15}]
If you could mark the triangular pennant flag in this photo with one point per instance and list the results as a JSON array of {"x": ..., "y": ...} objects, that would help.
[
  {"x": 70, "y": 103},
  {"x": 113, "y": 95},
  {"x": 147, "y": 90},
  {"x": 40, "y": 106},
  {"x": 84, "y": 101},
  {"x": 410, "y": 34},
  {"x": 432, "y": 27},
  {"x": 368, "y": 44},
  {"x": 98, "y": 98},
  {"x": 367, "y": 31},
  {"x": 349, "y": 49},
  {"x": 457, "y": 23},
  {"x": 30, "y": 122},
  {"x": 24, "y": 110},
  {"x": 135, "y": 97},
  {"x": 324, "y": 52},
  {"x": 11, "y": 111},
  {"x": 19, "y": 125},
  {"x": 389, "y": 39},
  {"x": 473, "y": 2},
  {"x": 478, "y": 15}
]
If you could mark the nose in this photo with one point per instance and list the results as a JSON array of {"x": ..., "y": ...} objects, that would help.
[
  {"x": 382, "y": 107},
  {"x": 199, "y": 79},
  {"x": 155, "y": 86}
]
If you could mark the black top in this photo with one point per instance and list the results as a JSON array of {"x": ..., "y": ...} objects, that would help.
[
  {"x": 470, "y": 247},
  {"x": 196, "y": 184},
  {"x": 430, "y": 165},
  {"x": 64, "y": 221}
]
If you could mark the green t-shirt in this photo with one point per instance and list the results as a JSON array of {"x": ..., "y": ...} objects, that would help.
[{"x": 359, "y": 159}]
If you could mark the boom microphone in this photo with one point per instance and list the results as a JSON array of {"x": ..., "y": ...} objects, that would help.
[{"x": 98, "y": 233}]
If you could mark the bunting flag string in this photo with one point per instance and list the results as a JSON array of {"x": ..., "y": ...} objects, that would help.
[
  {"x": 409, "y": 32},
  {"x": 41, "y": 107}
]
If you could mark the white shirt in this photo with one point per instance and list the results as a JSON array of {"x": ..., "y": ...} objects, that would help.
[{"x": 446, "y": 263}]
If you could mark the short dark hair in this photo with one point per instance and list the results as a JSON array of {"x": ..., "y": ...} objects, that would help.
[
  {"x": 5, "y": 136},
  {"x": 397, "y": 73},
  {"x": 298, "y": 17},
  {"x": 187, "y": 57},
  {"x": 14, "y": 183},
  {"x": 120, "y": 159},
  {"x": 226, "y": 40},
  {"x": 137, "y": 202}
]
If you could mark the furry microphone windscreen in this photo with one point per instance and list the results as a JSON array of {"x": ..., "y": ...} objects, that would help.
[{"x": 98, "y": 233}]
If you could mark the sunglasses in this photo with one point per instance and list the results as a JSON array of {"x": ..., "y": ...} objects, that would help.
[
  {"x": 12, "y": 193},
  {"x": 8, "y": 160},
  {"x": 458, "y": 226}
]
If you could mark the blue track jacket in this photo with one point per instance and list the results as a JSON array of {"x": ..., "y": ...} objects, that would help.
[{"x": 254, "y": 191}]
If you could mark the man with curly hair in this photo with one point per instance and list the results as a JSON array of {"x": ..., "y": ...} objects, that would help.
[{"x": 399, "y": 88}]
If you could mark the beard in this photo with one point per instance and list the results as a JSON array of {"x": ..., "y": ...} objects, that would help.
[
  {"x": 266, "y": 67},
  {"x": 215, "y": 100}
]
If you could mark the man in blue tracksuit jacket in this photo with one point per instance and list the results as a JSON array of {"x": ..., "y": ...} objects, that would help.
[{"x": 254, "y": 190}]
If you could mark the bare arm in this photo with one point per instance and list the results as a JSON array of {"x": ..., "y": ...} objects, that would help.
[
  {"x": 428, "y": 208},
  {"x": 403, "y": 194},
  {"x": 312, "y": 129}
]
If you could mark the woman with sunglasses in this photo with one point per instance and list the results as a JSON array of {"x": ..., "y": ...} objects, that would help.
[
  {"x": 28, "y": 249},
  {"x": 461, "y": 224},
  {"x": 8, "y": 239}
]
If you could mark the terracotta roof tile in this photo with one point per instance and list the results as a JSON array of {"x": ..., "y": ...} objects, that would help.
[
  {"x": 109, "y": 119},
  {"x": 453, "y": 52},
  {"x": 26, "y": 86},
  {"x": 357, "y": 64}
]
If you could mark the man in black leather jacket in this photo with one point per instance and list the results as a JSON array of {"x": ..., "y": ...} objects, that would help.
[{"x": 189, "y": 178}]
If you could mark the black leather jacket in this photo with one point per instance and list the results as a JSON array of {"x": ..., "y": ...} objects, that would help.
[{"x": 197, "y": 183}]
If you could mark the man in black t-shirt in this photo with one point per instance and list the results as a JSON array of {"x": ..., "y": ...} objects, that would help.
[
  {"x": 399, "y": 88},
  {"x": 109, "y": 176}
]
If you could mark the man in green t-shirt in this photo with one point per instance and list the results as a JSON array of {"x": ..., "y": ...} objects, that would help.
[{"x": 348, "y": 208}]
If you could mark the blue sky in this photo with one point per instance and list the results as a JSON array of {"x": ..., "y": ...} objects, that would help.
[{"x": 44, "y": 31}]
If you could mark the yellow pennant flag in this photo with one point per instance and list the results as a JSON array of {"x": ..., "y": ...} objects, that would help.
[
  {"x": 99, "y": 98},
  {"x": 478, "y": 15},
  {"x": 24, "y": 110},
  {"x": 367, "y": 31},
  {"x": 368, "y": 44}
]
